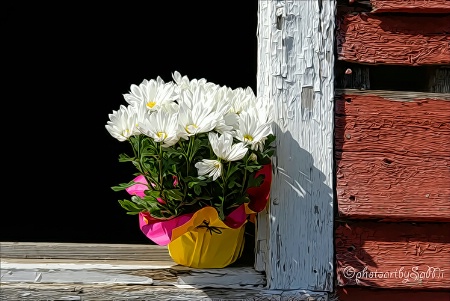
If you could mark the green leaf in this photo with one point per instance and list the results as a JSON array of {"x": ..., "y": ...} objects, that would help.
[
  {"x": 130, "y": 206},
  {"x": 253, "y": 168},
  {"x": 255, "y": 182},
  {"x": 126, "y": 158},
  {"x": 197, "y": 189},
  {"x": 153, "y": 193},
  {"x": 117, "y": 188},
  {"x": 174, "y": 194},
  {"x": 270, "y": 138},
  {"x": 233, "y": 169},
  {"x": 123, "y": 186},
  {"x": 231, "y": 184}
]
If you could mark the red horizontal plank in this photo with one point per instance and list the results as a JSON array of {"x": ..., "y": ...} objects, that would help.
[
  {"x": 417, "y": 127},
  {"x": 393, "y": 39},
  {"x": 392, "y": 157},
  {"x": 410, "y": 6},
  {"x": 392, "y": 187},
  {"x": 369, "y": 294},
  {"x": 393, "y": 255}
]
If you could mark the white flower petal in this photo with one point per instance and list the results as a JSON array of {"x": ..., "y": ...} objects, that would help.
[
  {"x": 198, "y": 112},
  {"x": 237, "y": 152},
  {"x": 161, "y": 126},
  {"x": 251, "y": 131},
  {"x": 122, "y": 123},
  {"x": 212, "y": 168},
  {"x": 152, "y": 93},
  {"x": 224, "y": 148}
]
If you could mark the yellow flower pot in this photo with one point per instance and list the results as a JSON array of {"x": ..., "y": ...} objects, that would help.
[{"x": 205, "y": 241}]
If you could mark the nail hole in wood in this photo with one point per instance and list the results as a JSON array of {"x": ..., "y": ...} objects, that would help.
[{"x": 387, "y": 161}]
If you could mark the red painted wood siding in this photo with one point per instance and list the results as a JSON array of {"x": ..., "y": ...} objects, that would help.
[
  {"x": 393, "y": 255},
  {"x": 410, "y": 6},
  {"x": 368, "y": 294},
  {"x": 393, "y": 156},
  {"x": 393, "y": 39}
]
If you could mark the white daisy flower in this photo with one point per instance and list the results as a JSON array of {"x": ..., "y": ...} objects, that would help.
[
  {"x": 242, "y": 100},
  {"x": 251, "y": 130},
  {"x": 222, "y": 127},
  {"x": 198, "y": 112},
  {"x": 186, "y": 84},
  {"x": 225, "y": 150},
  {"x": 264, "y": 110},
  {"x": 162, "y": 127},
  {"x": 142, "y": 113},
  {"x": 221, "y": 101},
  {"x": 122, "y": 123},
  {"x": 171, "y": 108},
  {"x": 152, "y": 93},
  {"x": 239, "y": 100},
  {"x": 211, "y": 168}
]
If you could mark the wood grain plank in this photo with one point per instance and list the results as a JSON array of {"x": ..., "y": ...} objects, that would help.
[
  {"x": 58, "y": 271},
  {"x": 393, "y": 95},
  {"x": 410, "y": 6},
  {"x": 296, "y": 76},
  {"x": 418, "y": 127},
  {"x": 66, "y": 279},
  {"x": 369, "y": 294},
  {"x": 393, "y": 156},
  {"x": 367, "y": 38},
  {"x": 14, "y": 292},
  {"x": 393, "y": 255},
  {"x": 373, "y": 185},
  {"x": 83, "y": 251}
]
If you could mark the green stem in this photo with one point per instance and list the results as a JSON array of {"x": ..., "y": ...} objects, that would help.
[
  {"x": 141, "y": 168},
  {"x": 191, "y": 153},
  {"x": 245, "y": 176},
  {"x": 160, "y": 166},
  {"x": 225, "y": 183},
  {"x": 137, "y": 155}
]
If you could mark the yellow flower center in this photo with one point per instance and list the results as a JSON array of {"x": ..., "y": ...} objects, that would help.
[
  {"x": 248, "y": 137},
  {"x": 162, "y": 135},
  {"x": 216, "y": 164},
  {"x": 126, "y": 133},
  {"x": 190, "y": 128},
  {"x": 151, "y": 104}
]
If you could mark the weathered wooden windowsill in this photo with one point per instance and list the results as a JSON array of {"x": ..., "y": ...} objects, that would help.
[{"x": 72, "y": 271}]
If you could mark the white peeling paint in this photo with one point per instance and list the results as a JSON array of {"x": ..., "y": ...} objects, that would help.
[
  {"x": 80, "y": 266},
  {"x": 67, "y": 276},
  {"x": 148, "y": 292},
  {"x": 229, "y": 277},
  {"x": 296, "y": 74}
]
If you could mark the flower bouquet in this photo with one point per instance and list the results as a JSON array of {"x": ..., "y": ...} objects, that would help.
[{"x": 203, "y": 158}]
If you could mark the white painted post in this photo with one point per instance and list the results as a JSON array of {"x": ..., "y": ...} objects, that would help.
[{"x": 296, "y": 73}]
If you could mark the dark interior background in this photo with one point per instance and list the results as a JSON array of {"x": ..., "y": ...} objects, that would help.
[{"x": 64, "y": 69}]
